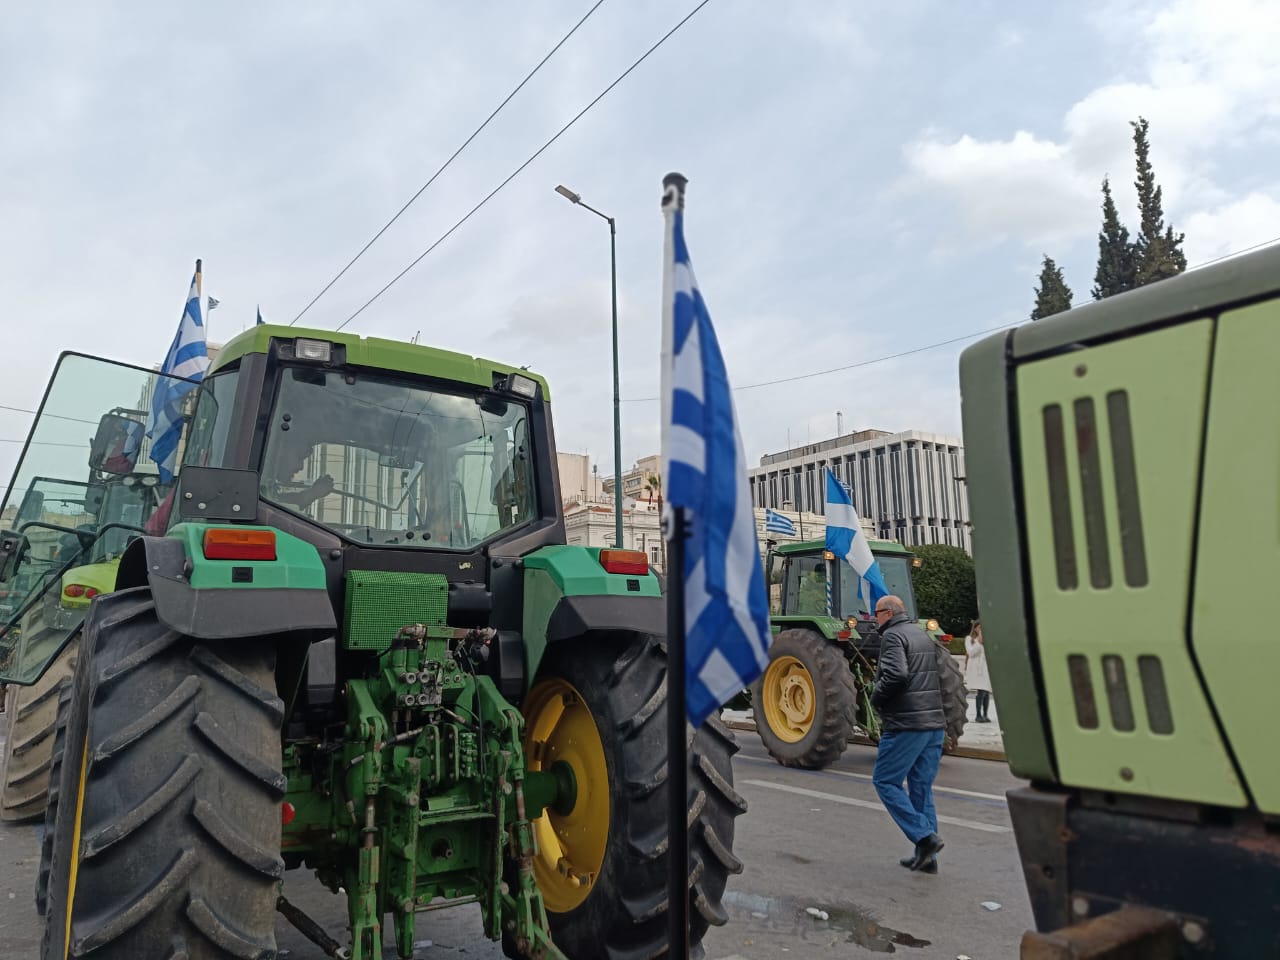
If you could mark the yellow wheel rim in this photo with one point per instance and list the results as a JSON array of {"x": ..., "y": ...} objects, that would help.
[
  {"x": 75, "y": 849},
  {"x": 788, "y": 699},
  {"x": 571, "y": 847}
]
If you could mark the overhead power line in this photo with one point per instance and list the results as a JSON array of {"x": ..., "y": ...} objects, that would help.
[
  {"x": 940, "y": 343},
  {"x": 444, "y": 166},
  {"x": 537, "y": 153}
]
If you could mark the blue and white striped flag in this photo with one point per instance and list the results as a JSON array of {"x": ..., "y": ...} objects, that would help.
[
  {"x": 847, "y": 541},
  {"x": 188, "y": 357},
  {"x": 726, "y": 606},
  {"x": 775, "y": 522}
]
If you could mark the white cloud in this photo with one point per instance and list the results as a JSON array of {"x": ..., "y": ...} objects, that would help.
[
  {"x": 1247, "y": 222},
  {"x": 1209, "y": 73}
]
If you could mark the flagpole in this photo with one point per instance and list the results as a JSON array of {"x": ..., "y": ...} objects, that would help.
[{"x": 673, "y": 185}]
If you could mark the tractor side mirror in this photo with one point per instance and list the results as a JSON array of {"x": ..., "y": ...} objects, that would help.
[
  {"x": 11, "y": 549},
  {"x": 116, "y": 445}
]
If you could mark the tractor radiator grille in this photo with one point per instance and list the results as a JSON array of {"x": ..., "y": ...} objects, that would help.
[{"x": 380, "y": 603}]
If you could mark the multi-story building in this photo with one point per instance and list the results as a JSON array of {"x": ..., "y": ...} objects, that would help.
[
  {"x": 909, "y": 485},
  {"x": 636, "y": 482}
]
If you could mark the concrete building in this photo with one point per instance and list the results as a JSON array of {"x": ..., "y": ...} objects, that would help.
[
  {"x": 635, "y": 482},
  {"x": 591, "y": 525},
  {"x": 579, "y": 481},
  {"x": 909, "y": 485}
]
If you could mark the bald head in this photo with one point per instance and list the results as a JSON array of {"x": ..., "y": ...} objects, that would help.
[{"x": 889, "y": 606}]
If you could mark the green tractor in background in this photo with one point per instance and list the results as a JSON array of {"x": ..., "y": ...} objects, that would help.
[
  {"x": 362, "y": 647},
  {"x": 72, "y": 536},
  {"x": 818, "y": 684},
  {"x": 1123, "y": 478}
]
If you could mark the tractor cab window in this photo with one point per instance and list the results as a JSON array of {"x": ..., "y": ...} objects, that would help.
[
  {"x": 89, "y": 438},
  {"x": 387, "y": 462},
  {"x": 896, "y": 570},
  {"x": 806, "y": 586}
]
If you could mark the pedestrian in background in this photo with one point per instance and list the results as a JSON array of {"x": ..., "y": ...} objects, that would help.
[
  {"x": 908, "y": 697},
  {"x": 976, "y": 676}
]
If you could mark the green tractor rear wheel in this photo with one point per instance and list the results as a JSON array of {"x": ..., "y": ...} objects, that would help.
[
  {"x": 167, "y": 836},
  {"x": 805, "y": 701},
  {"x": 599, "y": 706},
  {"x": 30, "y": 716}
]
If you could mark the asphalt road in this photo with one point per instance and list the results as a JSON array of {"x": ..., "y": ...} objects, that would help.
[{"x": 810, "y": 840}]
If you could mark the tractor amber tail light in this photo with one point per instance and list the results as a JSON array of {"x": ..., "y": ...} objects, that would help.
[
  {"x": 632, "y": 562},
  {"x": 233, "y": 543}
]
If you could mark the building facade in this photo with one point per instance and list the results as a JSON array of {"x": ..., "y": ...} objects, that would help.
[{"x": 909, "y": 486}]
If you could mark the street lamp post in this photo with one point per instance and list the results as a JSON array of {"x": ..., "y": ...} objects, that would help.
[{"x": 617, "y": 403}]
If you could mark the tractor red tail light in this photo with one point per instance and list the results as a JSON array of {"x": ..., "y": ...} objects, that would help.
[
  {"x": 90, "y": 593},
  {"x": 234, "y": 543},
  {"x": 73, "y": 590},
  {"x": 632, "y": 562},
  {"x": 287, "y": 813}
]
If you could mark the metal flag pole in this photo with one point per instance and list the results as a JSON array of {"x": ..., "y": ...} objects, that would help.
[{"x": 673, "y": 185}]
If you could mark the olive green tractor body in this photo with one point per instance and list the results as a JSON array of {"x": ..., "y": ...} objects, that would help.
[
  {"x": 1123, "y": 478},
  {"x": 822, "y": 662},
  {"x": 352, "y": 639}
]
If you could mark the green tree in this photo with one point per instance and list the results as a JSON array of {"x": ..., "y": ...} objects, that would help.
[
  {"x": 1117, "y": 269},
  {"x": 1053, "y": 295},
  {"x": 945, "y": 587},
  {"x": 1157, "y": 251}
]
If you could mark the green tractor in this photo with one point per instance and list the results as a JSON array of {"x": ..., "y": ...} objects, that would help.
[
  {"x": 73, "y": 535},
  {"x": 363, "y": 647},
  {"x": 1123, "y": 478},
  {"x": 818, "y": 684}
]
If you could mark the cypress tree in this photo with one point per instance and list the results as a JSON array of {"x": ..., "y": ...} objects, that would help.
[
  {"x": 1157, "y": 251},
  {"x": 1053, "y": 295},
  {"x": 1116, "y": 267}
]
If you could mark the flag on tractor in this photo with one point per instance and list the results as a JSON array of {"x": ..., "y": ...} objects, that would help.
[
  {"x": 847, "y": 541},
  {"x": 726, "y": 606},
  {"x": 188, "y": 357},
  {"x": 775, "y": 522}
]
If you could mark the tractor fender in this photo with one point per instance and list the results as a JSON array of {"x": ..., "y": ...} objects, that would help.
[
  {"x": 567, "y": 594},
  {"x": 222, "y": 612}
]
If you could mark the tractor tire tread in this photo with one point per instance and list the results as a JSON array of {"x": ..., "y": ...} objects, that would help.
[
  {"x": 31, "y": 720},
  {"x": 180, "y": 845},
  {"x": 835, "y": 711}
]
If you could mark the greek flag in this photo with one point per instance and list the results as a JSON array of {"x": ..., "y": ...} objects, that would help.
[
  {"x": 187, "y": 358},
  {"x": 846, "y": 540},
  {"x": 725, "y": 604},
  {"x": 775, "y": 522}
]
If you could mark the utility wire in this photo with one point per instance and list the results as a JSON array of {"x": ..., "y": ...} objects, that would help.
[
  {"x": 940, "y": 343},
  {"x": 446, "y": 164},
  {"x": 854, "y": 366},
  {"x": 537, "y": 153}
]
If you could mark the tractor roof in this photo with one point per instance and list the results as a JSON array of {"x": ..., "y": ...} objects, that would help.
[
  {"x": 374, "y": 353},
  {"x": 814, "y": 546}
]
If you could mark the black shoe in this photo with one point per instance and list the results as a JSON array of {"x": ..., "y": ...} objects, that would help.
[
  {"x": 930, "y": 866},
  {"x": 926, "y": 850}
]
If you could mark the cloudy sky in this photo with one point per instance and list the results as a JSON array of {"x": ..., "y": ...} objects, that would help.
[{"x": 866, "y": 178}]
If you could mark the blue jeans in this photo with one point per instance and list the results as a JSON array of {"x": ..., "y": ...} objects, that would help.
[{"x": 910, "y": 755}]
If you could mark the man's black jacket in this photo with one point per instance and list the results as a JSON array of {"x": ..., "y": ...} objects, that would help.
[{"x": 908, "y": 695}]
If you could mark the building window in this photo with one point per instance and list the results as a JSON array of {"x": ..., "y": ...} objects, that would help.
[{"x": 655, "y": 555}]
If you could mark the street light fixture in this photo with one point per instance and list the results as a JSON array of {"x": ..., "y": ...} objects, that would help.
[{"x": 576, "y": 199}]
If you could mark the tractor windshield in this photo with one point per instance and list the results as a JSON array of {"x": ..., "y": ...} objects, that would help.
[
  {"x": 395, "y": 463},
  {"x": 896, "y": 570}
]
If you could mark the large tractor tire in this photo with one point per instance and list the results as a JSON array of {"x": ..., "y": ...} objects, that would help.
[
  {"x": 30, "y": 716},
  {"x": 600, "y": 706},
  {"x": 805, "y": 703},
  {"x": 55, "y": 783},
  {"x": 167, "y": 837}
]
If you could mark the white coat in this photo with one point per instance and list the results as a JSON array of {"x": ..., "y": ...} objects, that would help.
[{"x": 976, "y": 676}]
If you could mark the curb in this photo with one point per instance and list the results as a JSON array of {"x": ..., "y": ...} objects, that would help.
[{"x": 971, "y": 753}]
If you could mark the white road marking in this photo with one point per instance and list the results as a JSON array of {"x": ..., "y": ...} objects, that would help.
[
  {"x": 868, "y": 804},
  {"x": 936, "y": 789}
]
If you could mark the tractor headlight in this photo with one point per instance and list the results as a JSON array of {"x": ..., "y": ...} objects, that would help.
[
  {"x": 320, "y": 350},
  {"x": 931, "y": 625},
  {"x": 522, "y": 386}
]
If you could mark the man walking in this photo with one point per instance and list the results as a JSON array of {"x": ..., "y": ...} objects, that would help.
[{"x": 908, "y": 698}]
